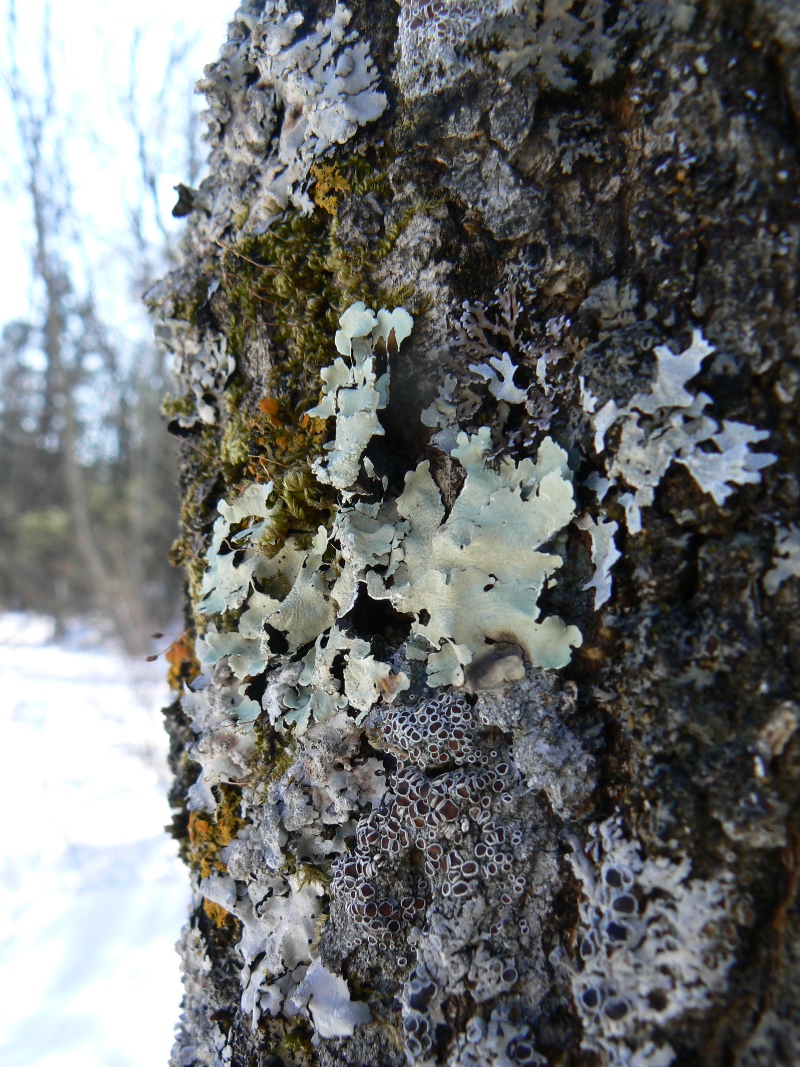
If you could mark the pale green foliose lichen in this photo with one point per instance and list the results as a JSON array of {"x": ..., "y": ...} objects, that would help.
[
  {"x": 300, "y": 593},
  {"x": 467, "y": 581},
  {"x": 476, "y": 577},
  {"x": 352, "y": 392}
]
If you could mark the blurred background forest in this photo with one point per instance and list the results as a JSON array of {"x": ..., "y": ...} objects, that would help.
[{"x": 100, "y": 123}]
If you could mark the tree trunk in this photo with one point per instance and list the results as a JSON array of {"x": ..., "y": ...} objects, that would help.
[{"x": 491, "y": 756}]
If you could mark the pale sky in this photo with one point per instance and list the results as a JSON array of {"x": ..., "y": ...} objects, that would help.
[{"x": 91, "y": 45}]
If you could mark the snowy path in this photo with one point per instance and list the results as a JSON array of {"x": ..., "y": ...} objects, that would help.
[{"x": 92, "y": 896}]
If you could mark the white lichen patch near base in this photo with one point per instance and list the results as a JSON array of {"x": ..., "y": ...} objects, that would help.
[
  {"x": 653, "y": 945},
  {"x": 293, "y": 828}
]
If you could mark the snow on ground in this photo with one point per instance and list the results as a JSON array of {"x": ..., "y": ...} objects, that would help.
[{"x": 92, "y": 895}]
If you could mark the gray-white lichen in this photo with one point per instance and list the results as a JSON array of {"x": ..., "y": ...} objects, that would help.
[
  {"x": 653, "y": 945},
  {"x": 604, "y": 555},
  {"x": 303, "y": 818},
  {"x": 205, "y": 366},
  {"x": 786, "y": 561},
  {"x": 324, "y": 82},
  {"x": 668, "y": 424},
  {"x": 437, "y": 40}
]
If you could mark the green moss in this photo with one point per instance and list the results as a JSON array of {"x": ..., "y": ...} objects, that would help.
[
  {"x": 278, "y": 280},
  {"x": 241, "y": 217},
  {"x": 174, "y": 406},
  {"x": 276, "y": 753},
  {"x": 310, "y": 874},
  {"x": 297, "y": 279},
  {"x": 235, "y": 444},
  {"x": 292, "y": 284},
  {"x": 215, "y": 453},
  {"x": 289, "y": 284},
  {"x": 297, "y": 1043}
]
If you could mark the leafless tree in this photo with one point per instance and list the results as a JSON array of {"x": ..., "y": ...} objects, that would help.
[{"x": 98, "y": 392}]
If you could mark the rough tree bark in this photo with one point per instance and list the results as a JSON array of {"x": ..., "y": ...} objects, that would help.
[{"x": 491, "y": 756}]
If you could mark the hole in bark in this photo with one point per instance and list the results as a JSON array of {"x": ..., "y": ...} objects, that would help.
[
  {"x": 379, "y": 618},
  {"x": 276, "y": 639}
]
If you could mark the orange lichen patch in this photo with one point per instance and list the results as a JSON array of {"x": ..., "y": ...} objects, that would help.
[
  {"x": 269, "y": 406},
  {"x": 184, "y": 666},
  {"x": 210, "y": 833},
  {"x": 329, "y": 181},
  {"x": 273, "y": 452},
  {"x": 217, "y": 914}
]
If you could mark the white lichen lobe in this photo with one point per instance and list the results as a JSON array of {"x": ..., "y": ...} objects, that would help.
[
  {"x": 333, "y": 1012},
  {"x": 666, "y": 425},
  {"x": 353, "y": 393},
  {"x": 786, "y": 560},
  {"x": 604, "y": 555}
]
